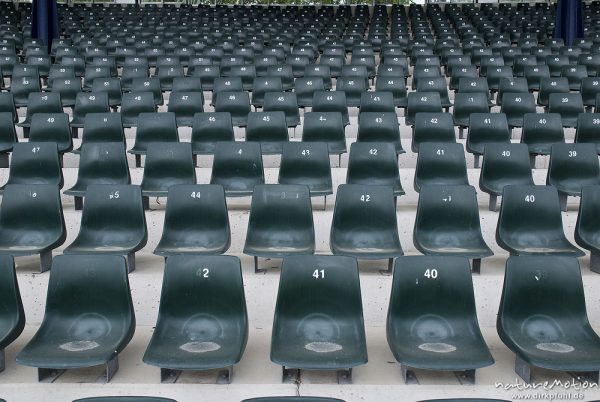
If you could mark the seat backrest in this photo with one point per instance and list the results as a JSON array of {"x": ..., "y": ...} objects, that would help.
[
  {"x": 588, "y": 219},
  {"x": 11, "y": 306},
  {"x": 379, "y": 127},
  {"x": 103, "y": 127},
  {"x": 432, "y": 127},
  {"x": 268, "y": 128},
  {"x": 325, "y": 127},
  {"x": 588, "y": 126},
  {"x": 237, "y": 166},
  {"x": 134, "y": 103},
  {"x": 542, "y": 129},
  {"x": 378, "y": 101},
  {"x": 373, "y": 163},
  {"x": 306, "y": 163},
  {"x": 422, "y": 102},
  {"x": 431, "y": 286},
  {"x": 155, "y": 127},
  {"x": 92, "y": 292},
  {"x": 504, "y": 164},
  {"x": 167, "y": 164},
  {"x": 209, "y": 128},
  {"x": 573, "y": 166},
  {"x": 113, "y": 210},
  {"x": 43, "y": 206},
  {"x": 548, "y": 287},
  {"x": 486, "y": 128},
  {"x": 43, "y": 102},
  {"x": 52, "y": 127},
  {"x": 89, "y": 102},
  {"x": 440, "y": 163},
  {"x": 102, "y": 163},
  {"x": 35, "y": 163}
]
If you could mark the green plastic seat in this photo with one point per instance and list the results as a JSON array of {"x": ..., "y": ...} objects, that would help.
[
  {"x": 318, "y": 321},
  {"x": 92, "y": 73},
  {"x": 436, "y": 84},
  {"x": 112, "y": 86},
  {"x": 374, "y": 163},
  {"x": 419, "y": 102},
  {"x": 440, "y": 164},
  {"x": 375, "y": 101},
  {"x": 322, "y": 71},
  {"x": 99, "y": 163},
  {"x": 511, "y": 85},
  {"x": 89, "y": 317},
  {"x": 447, "y": 223},
  {"x": 238, "y": 167},
  {"x": 8, "y": 137},
  {"x": 572, "y": 167},
  {"x": 7, "y": 104},
  {"x": 530, "y": 223},
  {"x": 38, "y": 231},
  {"x": 504, "y": 165},
  {"x": 535, "y": 74},
  {"x": 432, "y": 318},
  {"x": 306, "y": 163},
  {"x": 167, "y": 164},
  {"x": 327, "y": 127},
  {"x": 134, "y": 103},
  {"x": 236, "y": 103},
  {"x": 21, "y": 87},
  {"x": 113, "y": 222},
  {"x": 35, "y": 163},
  {"x": 52, "y": 127},
  {"x": 587, "y": 131},
  {"x": 364, "y": 223},
  {"x": 153, "y": 128},
  {"x": 125, "y": 399},
  {"x": 542, "y": 317},
  {"x": 551, "y": 85},
  {"x": 353, "y": 88},
  {"x": 292, "y": 399},
  {"x": 396, "y": 86},
  {"x": 40, "y": 102},
  {"x": 102, "y": 127},
  {"x": 540, "y": 132},
  {"x": 331, "y": 101},
  {"x": 515, "y": 105},
  {"x": 196, "y": 221},
  {"x": 436, "y": 127},
  {"x": 305, "y": 88},
  {"x": 88, "y": 102},
  {"x": 208, "y": 129},
  {"x": 466, "y": 104},
  {"x": 486, "y": 129},
  {"x": 568, "y": 105},
  {"x": 12, "y": 314},
  {"x": 587, "y": 229},
  {"x": 152, "y": 85},
  {"x": 269, "y": 129},
  {"x": 280, "y": 223},
  {"x": 202, "y": 321},
  {"x": 132, "y": 72}
]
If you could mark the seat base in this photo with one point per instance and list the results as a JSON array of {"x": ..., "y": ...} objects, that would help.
[
  {"x": 476, "y": 265},
  {"x": 130, "y": 262},
  {"x": 78, "y": 203},
  {"x": 562, "y": 199},
  {"x": 2, "y": 360},
  {"x": 49, "y": 375},
  {"x": 390, "y": 268},
  {"x": 45, "y": 261},
  {"x": 595, "y": 261},
  {"x": 523, "y": 370},
  {"x": 170, "y": 376},
  {"x": 4, "y": 160},
  {"x": 465, "y": 377},
  {"x": 493, "y": 203},
  {"x": 293, "y": 375}
]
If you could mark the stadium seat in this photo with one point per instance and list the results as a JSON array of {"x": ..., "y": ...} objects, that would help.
[
  {"x": 574, "y": 74},
  {"x": 102, "y": 127},
  {"x": 52, "y": 127},
  {"x": 112, "y": 222},
  {"x": 534, "y": 74},
  {"x": 85, "y": 103},
  {"x": 99, "y": 163},
  {"x": 511, "y": 85},
  {"x": 185, "y": 105},
  {"x": 92, "y": 73},
  {"x": 153, "y": 128},
  {"x": 305, "y": 88},
  {"x": 313, "y": 71},
  {"x": 269, "y": 129},
  {"x": 540, "y": 132},
  {"x": 307, "y": 163},
  {"x": 284, "y": 102},
  {"x": 376, "y": 101},
  {"x": 7, "y": 104},
  {"x": 572, "y": 167},
  {"x": 530, "y": 223},
  {"x": 236, "y": 103},
  {"x": 447, "y": 223},
  {"x": 515, "y": 105},
  {"x": 261, "y": 86},
  {"x": 152, "y": 85},
  {"x": 8, "y": 137},
  {"x": 432, "y": 127},
  {"x": 208, "y": 129},
  {"x": 227, "y": 84},
  {"x": 134, "y": 103},
  {"x": 364, "y": 223},
  {"x": 196, "y": 221},
  {"x": 21, "y": 87},
  {"x": 131, "y": 73},
  {"x": 568, "y": 105},
  {"x": 285, "y": 72},
  {"x": 466, "y": 104},
  {"x": 35, "y": 163},
  {"x": 280, "y": 222},
  {"x": 13, "y": 314},
  {"x": 397, "y": 86},
  {"x": 331, "y": 101},
  {"x": 325, "y": 332},
  {"x": 80, "y": 328},
  {"x": 40, "y": 102},
  {"x": 202, "y": 322},
  {"x": 586, "y": 228},
  {"x": 167, "y": 164},
  {"x": 474, "y": 85},
  {"x": 325, "y": 127},
  {"x": 551, "y": 85},
  {"x": 436, "y": 84},
  {"x": 486, "y": 129},
  {"x": 590, "y": 88},
  {"x": 586, "y": 132},
  {"x": 441, "y": 164},
  {"x": 186, "y": 84},
  {"x": 353, "y": 89},
  {"x": 422, "y": 102},
  {"x": 112, "y": 86},
  {"x": 374, "y": 163},
  {"x": 442, "y": 318},
  {"x": 542, "y": 328},
  {"x": 238, "y": 167},
  {"x": 379, "y": 127}
]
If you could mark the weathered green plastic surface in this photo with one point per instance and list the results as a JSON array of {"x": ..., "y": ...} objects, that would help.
[
  {"x": 318, "y": 316},
  {"x": 237, "y": 166},
  {"x": 208, "y": 129},
  {"x": 306, "y": 163},
  {"x": 504, "y": 165},
  {"x": 374, "y": 163},
  {"x": 379, "y": 127},
  {"x": 572, "y": 167},
  {"x": 153, "y": 128},
  {"x": 12, "y": 315},
  {"x": 440, "y": 164},
  {"x": 35, "y": 163},
  {"x": 167, "y": 164},
  {"x": 587, "y": 228},
  {"x": 432, "y": 319}
]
